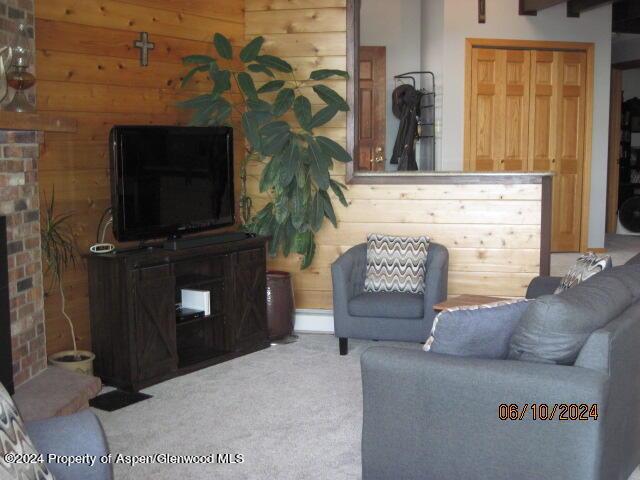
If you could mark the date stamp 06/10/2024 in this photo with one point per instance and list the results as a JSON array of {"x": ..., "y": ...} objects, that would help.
[{"x": 581, "y": 412}]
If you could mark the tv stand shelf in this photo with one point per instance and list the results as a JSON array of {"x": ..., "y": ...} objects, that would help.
[{"x": 135, "y": 335}]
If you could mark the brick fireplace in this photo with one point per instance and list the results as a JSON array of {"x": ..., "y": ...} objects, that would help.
[{"x": 19, "y": 204}]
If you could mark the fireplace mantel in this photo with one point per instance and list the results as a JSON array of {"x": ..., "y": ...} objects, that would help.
[{"x": 41, "y": 122}]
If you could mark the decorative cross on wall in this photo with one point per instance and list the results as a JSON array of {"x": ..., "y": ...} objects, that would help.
[{"x": 144, "y": 45}]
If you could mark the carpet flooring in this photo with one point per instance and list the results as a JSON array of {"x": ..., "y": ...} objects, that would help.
[{"x": 293, "y": 411}]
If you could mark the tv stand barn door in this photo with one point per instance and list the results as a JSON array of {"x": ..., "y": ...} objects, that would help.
[
  {"x": 154, "y": 321},
  {"x": 134, "y": 329}
]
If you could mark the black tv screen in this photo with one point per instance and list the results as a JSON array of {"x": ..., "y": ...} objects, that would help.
[{"x": 167, "y": 181}]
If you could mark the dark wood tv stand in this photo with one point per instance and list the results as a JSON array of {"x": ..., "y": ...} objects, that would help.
[{"x": 135, "y": 336}]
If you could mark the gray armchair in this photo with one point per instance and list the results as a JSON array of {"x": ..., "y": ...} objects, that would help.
[
  {"x": 384, "y": 316},
  {"x": 77, "y": 434}
]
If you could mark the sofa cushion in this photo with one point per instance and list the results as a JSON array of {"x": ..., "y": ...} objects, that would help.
[
  {"x": 387, "y": 305},
  {"x": 396, "y": 264},
  {"x": 555, "y": 327},
  {"x": 481, "y": 331},
  {"x": 634, "y": 260},
  {"x": 586, "y": 266},
  {"x": 629, "y": 274},
  {"x": 15, "y": 440}
]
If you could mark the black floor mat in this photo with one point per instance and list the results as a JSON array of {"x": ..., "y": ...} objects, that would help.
[{"x": 117, "y": 399}]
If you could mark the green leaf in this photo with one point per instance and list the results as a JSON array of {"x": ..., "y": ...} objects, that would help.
[
  {"x": 287, "y": 238},
  {"x": 271, "y": 86},
  {"x": 333, "y": 149},
  {"x": 200, "y": 101},
  {"x": 197, "y": 59},
  {"x": 323, "y": 116},
  {"x": 191, "y": 73},
  {"x": 324, "y": 73},
  {"x": 251, "y": 50},
  {"x": 283, "y": 101},
  {"x": 317, "y": 212},
  {"x": 223, "y": 46},
  {"x": 273, "y": 128},
  {"x": 222, "y": 82},
  {"x": 288, "y": 165},
  {"x": 328, "y": 208},
  {"x": 301, "y": 242},
  {"x": 221, "y": 113},
  {"x": 302, "y": 109},
  {"x": 318, "y": 164},
  {"x": 331, "y": 97},
  {"x": 281, "y": 209},
  {"x": 301, "y": 173},
  {"x": 274, "y": 243},
  {"x": 269, "y": 175},
  {"x": 337, "y": 190},
  {"x": 275, "y": 143},
  {"x": 258, "y": 68},
  {"x": 258, "y": 105},
  {"x": 246, "y": 85},
  {"x": 274, "y": 63},
  {"x": 309, "y": 254},
  {"x": 250, "y": 127},
  {"x": 298, "y": 208}
]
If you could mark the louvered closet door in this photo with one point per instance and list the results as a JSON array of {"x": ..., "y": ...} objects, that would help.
[{"x": 569, "y": 151}]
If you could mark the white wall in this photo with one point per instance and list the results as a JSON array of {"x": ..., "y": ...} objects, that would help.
[
  {"x": 432, "y": 58},
  {"x": 503, "y": 21},
  {"x": 397, "y": 26}
]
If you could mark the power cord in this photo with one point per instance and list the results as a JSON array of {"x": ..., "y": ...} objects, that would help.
[{"x": 100, "y": 247}]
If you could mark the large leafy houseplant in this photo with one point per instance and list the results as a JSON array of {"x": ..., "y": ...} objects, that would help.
[{"x": 297, "y": 162}]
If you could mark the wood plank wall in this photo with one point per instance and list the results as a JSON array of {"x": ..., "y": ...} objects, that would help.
[
  {"x": 88, "y": 69},
  {"x": 492, "y": 231}
]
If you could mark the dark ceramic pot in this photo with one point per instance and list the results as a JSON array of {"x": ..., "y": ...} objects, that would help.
[{"x": 280, "y": 304}]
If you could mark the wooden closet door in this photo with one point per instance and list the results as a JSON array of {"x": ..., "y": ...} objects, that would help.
[
  {"x": 543, "y": 111},
  {"x": 499, "y": 110},
  {"x": 569, "y": 151}
]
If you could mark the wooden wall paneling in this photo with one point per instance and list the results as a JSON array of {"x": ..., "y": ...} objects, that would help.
[
  {"x": 262, "y": 5},
  {"x": 159, "y": 20},
  {"x": 89, "y": 70}
]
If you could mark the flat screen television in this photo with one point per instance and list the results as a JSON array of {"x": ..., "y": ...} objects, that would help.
[{"x": 169, "y": 181}]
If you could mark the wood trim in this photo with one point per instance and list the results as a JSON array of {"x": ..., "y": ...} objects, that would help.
[
  {"x": 353, "y": 45},
  {"x": 613, "y": 174},
  {"x": 589, "y": 49},
  {"x": 529, "y": 44},
  {"x": 545, "y": 226},
  {"x": 449, "y": 179},
  {"x": 597, "y": 249},
  {"x": 468, "y": 52},
  {"x": 42, "y": 122}
]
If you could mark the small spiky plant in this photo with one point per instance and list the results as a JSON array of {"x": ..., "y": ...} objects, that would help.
[{"x": 59, "y": 253}]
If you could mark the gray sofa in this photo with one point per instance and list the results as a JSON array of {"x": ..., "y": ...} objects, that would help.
[
  {"x": 432, "y": 416},
  {"x": 384, "y": 316},
  {"x": 77, "y": 434}
]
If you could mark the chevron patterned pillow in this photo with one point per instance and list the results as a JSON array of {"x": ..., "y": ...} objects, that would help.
[
  {"x": 586, "y": 266},
  {"x": 15, "y": 440},
  {"x": 396, "y": 264}
]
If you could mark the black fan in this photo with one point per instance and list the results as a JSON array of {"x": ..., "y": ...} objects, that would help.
[{"x": 630, "y": 214}]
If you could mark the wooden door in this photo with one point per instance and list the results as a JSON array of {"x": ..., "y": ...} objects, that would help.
[
  {"x": 543, "y": 111},
  {"x": 250, "y": 307},
  {"x": 499, "y": 110},
  {"x": 568, "y": 162},
  {"x": 372, "y": 98},
  {"x": 155, "y": 322}
]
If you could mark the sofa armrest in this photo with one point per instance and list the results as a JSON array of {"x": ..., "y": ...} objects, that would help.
[
  {"x": 348, "y": 272},
  {"x": 436, "y": 416},
  {"x": 77, "y": 434},
  {"x": 543, "y": 286},
  {"x": 437, "y": 277}
]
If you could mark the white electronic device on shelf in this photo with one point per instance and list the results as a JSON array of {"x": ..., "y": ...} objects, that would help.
[{"x": 196, "y": 300}]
